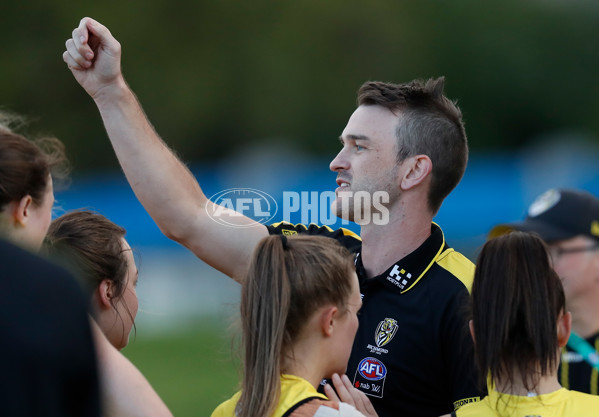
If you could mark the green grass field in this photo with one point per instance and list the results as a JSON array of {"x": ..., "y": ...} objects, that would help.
[{"x": 192, "y": 371}]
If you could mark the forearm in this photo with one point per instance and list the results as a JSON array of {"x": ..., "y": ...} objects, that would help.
[
  {"x": 161, "y": 182},
  {"x": 168, "y": 190}
]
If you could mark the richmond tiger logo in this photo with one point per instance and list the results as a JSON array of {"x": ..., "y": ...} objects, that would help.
[{"x": 385, "y": 331}]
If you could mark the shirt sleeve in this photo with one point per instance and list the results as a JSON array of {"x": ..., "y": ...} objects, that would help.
[
  {"x": 344, "y": 236},
  {"x": 323, "y": 408},
  {"x": 458, "y": 352}
]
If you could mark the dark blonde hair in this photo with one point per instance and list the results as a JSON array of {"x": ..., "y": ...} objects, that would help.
[
  {"x": 516, "y": 300},
  {"x": 26, "y": 165},
  {"x": 287, "y": 281},
  {"x": 430, "y": 124}
]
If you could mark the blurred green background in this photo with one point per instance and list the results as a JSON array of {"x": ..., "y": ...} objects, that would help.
[
  {"x": 193, "y": 371},
  {"x": 215, "y": 75},
  {"x": 220, "y": 77}
]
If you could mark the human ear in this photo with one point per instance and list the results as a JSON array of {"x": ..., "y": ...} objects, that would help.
[
  {"x": 418, "y": 169},
  {"x": 20, "y": 210},
  {"x": 105, "y": 293},
  {"x": 564, "y": 327},
  {"x": 327, "y": 320}
]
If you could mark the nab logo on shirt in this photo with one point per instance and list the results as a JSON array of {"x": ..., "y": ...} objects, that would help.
[
  {"x": 370, "y": 377},
  {"x": 372, "y": 369}
]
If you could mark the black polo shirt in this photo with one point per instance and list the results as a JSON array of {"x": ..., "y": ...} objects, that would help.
[
  {"x": 577, "y": 374},
  {"x": 412, "y": 354}
]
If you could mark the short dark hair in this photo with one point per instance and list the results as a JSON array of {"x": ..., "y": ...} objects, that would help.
[
  {"x": 430, "y": 124},
  {"x": 516, "y": 300},
  {"x": 25, "y": 165}
]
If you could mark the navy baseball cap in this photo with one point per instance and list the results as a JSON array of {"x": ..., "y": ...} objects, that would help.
[{"x": 558, "y": 214}]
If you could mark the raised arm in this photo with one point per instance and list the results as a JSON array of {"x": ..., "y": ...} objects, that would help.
[{"x": 161, "y": 182}]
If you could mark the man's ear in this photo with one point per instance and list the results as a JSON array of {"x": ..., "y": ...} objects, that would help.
[
  {"x": 564, "y": 327},
  {"x": 105, "y": 293},
  {"x": 417, "y": 169},
  {"x": 21, "y": 210},
  {"x": 327, "y": 320}
]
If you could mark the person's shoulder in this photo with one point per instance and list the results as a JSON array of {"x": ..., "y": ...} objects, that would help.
[
  {"x": 578, "y": 404},
  {"x": 43, "y": 286},
  {"x": 458, "y": 266},
  {"x": 344, "y": 236},
  {"x": 325, "y": 408},
  {"x": 14, "y": 255},
  {"x": 227, "y": 408},
  {"x": 221, "y": 410},
  {"x": 583, "y": 400},
  {"x": 19, "y": 262},
  {"x": 475, "y": 409},
  {"x": 312, "y": 229}
]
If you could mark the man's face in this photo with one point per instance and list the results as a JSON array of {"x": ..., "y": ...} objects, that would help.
[
  {"x": 576, "y": 261},
  {"x": 368, "y": 159}
]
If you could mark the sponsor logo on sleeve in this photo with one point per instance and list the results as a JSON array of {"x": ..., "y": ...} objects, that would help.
[
  {"x": 464, "y": 401},
  {"x": 370, "y": 377}
]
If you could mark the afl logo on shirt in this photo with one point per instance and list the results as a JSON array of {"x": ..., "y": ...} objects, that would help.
[
  {"x": 372, "y": 369},
  {"x": 370, "y": 377},
  {"x": 385, "y": 331}
]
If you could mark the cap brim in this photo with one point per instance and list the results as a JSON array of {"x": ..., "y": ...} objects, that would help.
[{"x": 548, "y": 233}]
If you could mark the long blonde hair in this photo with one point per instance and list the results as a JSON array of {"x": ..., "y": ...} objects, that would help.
[{"x": 288, "y": 279}]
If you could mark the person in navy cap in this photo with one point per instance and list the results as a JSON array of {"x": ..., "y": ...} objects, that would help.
[{"x": 568, "y": 221}]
